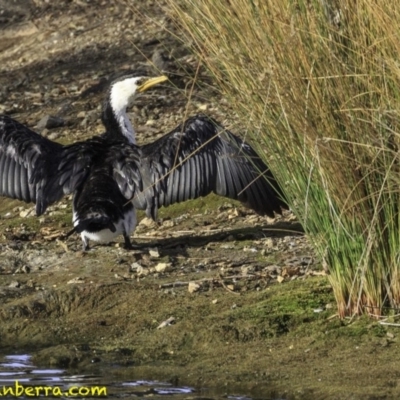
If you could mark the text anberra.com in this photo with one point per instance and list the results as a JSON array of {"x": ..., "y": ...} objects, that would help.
[{"x": 18, "y": 390}]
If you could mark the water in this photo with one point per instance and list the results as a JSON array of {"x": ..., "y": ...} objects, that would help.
[{"x": 19, "y": 374}]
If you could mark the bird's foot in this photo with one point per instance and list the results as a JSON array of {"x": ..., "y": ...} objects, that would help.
[
  {"x": 85, "y": 244},
  {"x": 128, "y": 244}
]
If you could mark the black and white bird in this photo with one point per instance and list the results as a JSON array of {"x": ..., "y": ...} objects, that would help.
[{"x": 110, "y": 176}]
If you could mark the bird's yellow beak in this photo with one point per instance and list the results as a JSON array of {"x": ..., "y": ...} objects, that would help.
[{"x": 151, "y": 82}]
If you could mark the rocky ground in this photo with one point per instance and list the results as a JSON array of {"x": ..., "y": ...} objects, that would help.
[{"x": 213, "y": 295}]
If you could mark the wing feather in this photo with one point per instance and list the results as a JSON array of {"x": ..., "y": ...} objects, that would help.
[
  {"x": 11, "y": 183},
  {"x": 209, "y": 159},
  {"x": 35, "y": 169}
]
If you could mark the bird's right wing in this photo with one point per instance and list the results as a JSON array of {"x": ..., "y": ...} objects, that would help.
[{"x": 35, "y": 169}]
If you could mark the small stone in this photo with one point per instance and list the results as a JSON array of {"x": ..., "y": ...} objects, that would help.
[
  {"x": 227, "y": 246},
  {"x": 154, "y": 253},
  {"x": 54, "y": 135},
  {"x": 76, "y": 280},
  {"x": 193, "y": 287},
  {"x": 163, "y": 267},
  {"x": 135, "y": 266},
  {"x": 250, "y": 249},
  {"x": 233, "y": 214},
  {"x": 167, "y": 322},
  {"x": 147, "y": 222},
  {"x": 169, "y": 223},
  {"x": 26, "y": 213},
  {"x": 14, "y": 284},
  {"x": 280, "y": 278},
  {"x": 215, "y": 301},
  {"x": 50, "y": 122}
]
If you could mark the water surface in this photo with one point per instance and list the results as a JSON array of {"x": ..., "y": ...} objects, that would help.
[{"x": 17, "y": 372}]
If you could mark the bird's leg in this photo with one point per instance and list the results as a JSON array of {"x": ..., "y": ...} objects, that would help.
[
  {"x": 85, "y": 243},
  {"x": 128, "y": 244}
]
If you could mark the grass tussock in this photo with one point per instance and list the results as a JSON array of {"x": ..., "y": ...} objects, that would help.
[{"x": 318, "y": 83}]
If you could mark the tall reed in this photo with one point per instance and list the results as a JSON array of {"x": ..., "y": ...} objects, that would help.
[{"x": 318, "y": 82}]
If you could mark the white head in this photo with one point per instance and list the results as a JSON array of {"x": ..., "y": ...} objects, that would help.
[{"x": 122, "y": 94}]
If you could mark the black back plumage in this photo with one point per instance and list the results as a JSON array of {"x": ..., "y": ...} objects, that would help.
[{"x": 99, "y": 203}]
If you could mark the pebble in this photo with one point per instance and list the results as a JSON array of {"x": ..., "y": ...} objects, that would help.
[
  {"x": 169, "y": 223},
  {"x": 76, "y": 280},
  {"x": 250, "y": 249},
  {"x": 163, "y": 267},
  {"x": 154, "y": 253},
  {"x": 49, "y": 122},
  {"x": 167, "y": 322},
  {"x": 135, "y": 266},
  {"x": 148, "y": 222},
  {"x": 26, "y": 213},
  {"x": 54, "y": 135},
  {"x": 193, "y": 287}
]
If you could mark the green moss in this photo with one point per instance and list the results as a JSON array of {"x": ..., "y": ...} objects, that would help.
[{"x": 200, "y": 205}]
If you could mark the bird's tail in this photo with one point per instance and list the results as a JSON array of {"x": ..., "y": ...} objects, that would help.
[{"x": 93, "y": 222}]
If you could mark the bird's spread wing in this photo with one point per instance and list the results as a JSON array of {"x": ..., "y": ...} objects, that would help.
[
  {"x": 195, "y": 159},
  {"x": 35, "y": 169}
]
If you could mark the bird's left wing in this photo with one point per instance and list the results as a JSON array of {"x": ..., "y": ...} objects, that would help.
[{"x": 195, "y": 159}]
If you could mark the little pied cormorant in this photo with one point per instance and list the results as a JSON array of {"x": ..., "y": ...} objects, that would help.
[{"x": 110, "y": 176}]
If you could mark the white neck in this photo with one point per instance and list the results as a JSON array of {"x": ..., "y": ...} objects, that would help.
[
  {"x": 125, "y": 125},
  {"x": 119, "y": 101}
]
